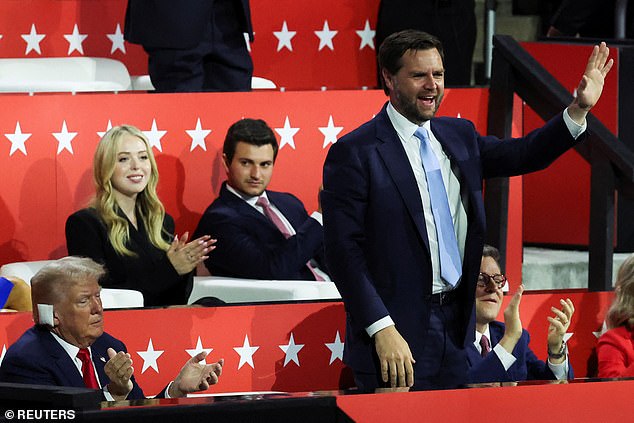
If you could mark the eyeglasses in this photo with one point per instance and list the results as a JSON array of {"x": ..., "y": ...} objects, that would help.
[{"x": 485, "y": 278}]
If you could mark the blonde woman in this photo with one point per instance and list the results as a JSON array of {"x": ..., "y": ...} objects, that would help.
[
  {"x": 126, "y": 227},
  {"x": 616, "y": 347}
]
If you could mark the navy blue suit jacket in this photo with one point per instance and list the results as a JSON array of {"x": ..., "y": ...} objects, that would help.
[
  {"x": 251, "y": 246},
  {"x": 490, "y": 368},
  {"x": 37, "y": 358},
  {"x": 376, "y": 243},
  {"x": 175, "y": 24}
]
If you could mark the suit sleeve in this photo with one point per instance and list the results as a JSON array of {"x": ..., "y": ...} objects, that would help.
[
  {"x": 613, "y": 351},
  {"x": 242, "y": 252},
  {"x": 484, "y": 370},
  {"x": 344, "y": 203}
]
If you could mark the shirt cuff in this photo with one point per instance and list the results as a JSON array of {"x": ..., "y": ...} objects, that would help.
[
  {"x": 378, "y": 325},
  {"x": 506, "y": 358},
  {"x": 167, "y": 390},
  {"x": 559, "y": 370},
  {"x": 318, "y": 217},
  {"x": 573, "y": 127},
  {"x": 107, "y": 394}
]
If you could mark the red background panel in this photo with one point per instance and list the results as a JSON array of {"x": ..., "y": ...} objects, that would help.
[{"x": 567, "y": 181}]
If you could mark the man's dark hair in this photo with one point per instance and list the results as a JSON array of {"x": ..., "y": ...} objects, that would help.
[
  {"x": 397, "y": 44},
  {"x": 252, "y": 131}
]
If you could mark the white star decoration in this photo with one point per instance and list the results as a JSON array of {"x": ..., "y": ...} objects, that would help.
[
  {"x": 325, "y": 37},
  {"x": 33, "y": 40},
  {"x": 330, "y": 132},
  {"x": 117, "y": 40},
  {"x": 284, "y": 37},
  {"x": 287, "y": 133},
  {"x": 336, "y": 349},
  {"x": 17, "y": 140},
  {"x": 75, "y": 41},
  {"x": 108, "y": 127},
  {"x": 154, "y": 136},
  {"x": 567, "y": 336},
  {"x": 291, "y": 350},
  {"x": 367, "y": 36},
  {"x": 246, "y": 352},
  {"x": 198, "y": 136},
  {"x": 149, "y": 357},
  {"x": 4, "y": 351},
  {"x": 199, "y": 348},
  {"x": 64, "y": 139},
  {"x": 604, "y": 329}
]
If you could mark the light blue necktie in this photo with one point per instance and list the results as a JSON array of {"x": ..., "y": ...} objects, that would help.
[{"x": 450, "y": 263}]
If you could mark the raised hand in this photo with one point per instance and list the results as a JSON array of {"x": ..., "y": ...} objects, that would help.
[
  {"x": 591, "y": 85},
  {"x": 512, "y": 322},
  {"x": 195, "y": 377},
  {"x": 185, "y": 256},
  {"x": 119, "y": 370},
  {"x": 559, "y": 325}
]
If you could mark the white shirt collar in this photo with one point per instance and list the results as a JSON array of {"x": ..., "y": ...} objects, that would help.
[
  {"x": 403, "y": 126},
  {"x": 251, "y": 200}
]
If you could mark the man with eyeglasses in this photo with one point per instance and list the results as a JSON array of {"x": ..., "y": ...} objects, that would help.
[{"x": 501, "y": 352}]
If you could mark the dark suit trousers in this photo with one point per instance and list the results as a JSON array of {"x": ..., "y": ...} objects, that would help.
[
  {"x": 220, "y": 62},
  {"x": 443, "y": 361}
]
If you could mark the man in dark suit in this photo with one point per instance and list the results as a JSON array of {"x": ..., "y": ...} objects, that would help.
[
  {"x": 408, "y": 317},
  {"x": 193, "y": 45},
  {"x": 261, "y": 234},
  {"x": 68, "y": 346},
  {"x": 500, "y": 351}
]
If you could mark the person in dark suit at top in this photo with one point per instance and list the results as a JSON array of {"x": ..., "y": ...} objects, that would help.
[
  {"x": 193, "y": 45},
  {"x": 501, "y": 351},
  {"x": 261, "y": 234},
  {"x": 452, "y": 21},
  {"x": 127, "y": 229},
  {"x": 67, "y": 346},
  {"x": 404, "y": 220}
]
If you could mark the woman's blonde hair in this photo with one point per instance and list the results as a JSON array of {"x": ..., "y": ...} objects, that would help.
[
  {"x": 148, "y": 206},
  {"x": 621, "y": 312}
]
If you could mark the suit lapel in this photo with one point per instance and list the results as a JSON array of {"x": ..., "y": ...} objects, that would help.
[
  {"x": 245, "y": 209},
  {"x": 393, "y": 155},
  {"x": 65, "y": 365}
]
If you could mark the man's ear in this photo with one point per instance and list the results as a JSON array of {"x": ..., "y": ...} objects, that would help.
[{"x": 225, "y": 162}]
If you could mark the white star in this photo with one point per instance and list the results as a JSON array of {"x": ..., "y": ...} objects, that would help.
[
  {"x": 330, "y": 132},
  {"x": 336, "y": 349},
  {"x": 4, "y": 351},
  {"x": 75, "y": 41},
  {"x": 64, "y": 139},
  {"x": 17, "y": 140},
  {"x": 367, "y": 36},
  {"x": 325, "y": 37},
  {"x": 154, "y": 136},
  {"x": 117, "y": 40},
  {"x": 246, "y": 352},
  {"x": 33, "y": 40},
  {"x": 199, "y": 348},
  {"x": 291, "y": 350},
  {"x": 198, "y": 136},
  {"x": 284, "y": 37},
  {"x": 287, "y": 133},
  {"x": 604, "y": 329},
  {"x": 149, "y": 357},
  {"x": 108, "y": 127},
  {"x": 567, "y": 336}
]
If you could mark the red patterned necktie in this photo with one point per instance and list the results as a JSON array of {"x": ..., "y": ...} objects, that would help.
[
  {"x": 273, "y": 217},
  {"x": 90, "y": 380},
  {"x": 486, "y": 346}
]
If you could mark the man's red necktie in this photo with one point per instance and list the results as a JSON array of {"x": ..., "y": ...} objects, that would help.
[{"x": 88, "y": 370}]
